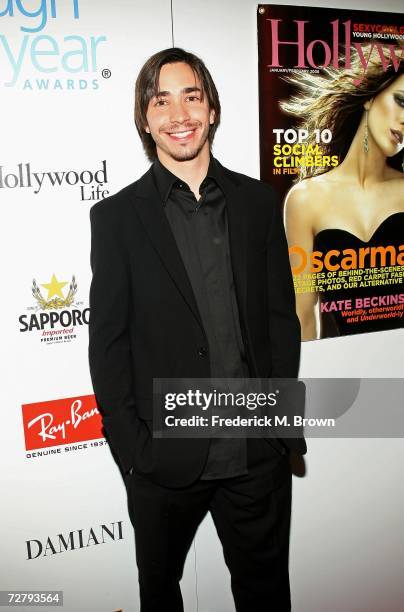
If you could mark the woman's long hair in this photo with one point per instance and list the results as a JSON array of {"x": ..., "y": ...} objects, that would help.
[{"x": 334, "y": 101}]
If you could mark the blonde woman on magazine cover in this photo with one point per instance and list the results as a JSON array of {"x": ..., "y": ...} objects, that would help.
[{"x": 360, "y": 202}]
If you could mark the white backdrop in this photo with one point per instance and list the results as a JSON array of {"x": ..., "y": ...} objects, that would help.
[{"x": 347, "y": 546}]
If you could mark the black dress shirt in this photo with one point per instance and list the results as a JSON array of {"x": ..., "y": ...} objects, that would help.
[{"x": 201, "y": 232}]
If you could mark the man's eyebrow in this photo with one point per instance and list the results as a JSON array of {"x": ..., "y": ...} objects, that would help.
[
  {"x": 191, "y": 89},
  {"x": 185, "y": 90}
]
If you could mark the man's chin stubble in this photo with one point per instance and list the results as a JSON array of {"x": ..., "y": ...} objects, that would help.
[{"x": 186, "y": 155}]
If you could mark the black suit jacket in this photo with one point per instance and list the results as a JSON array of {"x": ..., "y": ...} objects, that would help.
[{"x": 144, "y": 320}]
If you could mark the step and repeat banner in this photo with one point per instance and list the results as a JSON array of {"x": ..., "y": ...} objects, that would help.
[{"x": 67, "y": 140}]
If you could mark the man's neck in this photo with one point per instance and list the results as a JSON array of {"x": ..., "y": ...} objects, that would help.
[{"x": 191, "y": 171}]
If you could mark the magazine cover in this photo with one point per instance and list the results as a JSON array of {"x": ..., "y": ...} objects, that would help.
[{"x": 331, "y": 89}]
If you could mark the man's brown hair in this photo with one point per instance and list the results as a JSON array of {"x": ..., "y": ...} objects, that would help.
[{"x": 147, "y": 86}]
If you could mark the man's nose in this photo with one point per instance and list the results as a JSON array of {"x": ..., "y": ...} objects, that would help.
[{"x": 179, "y": 112}]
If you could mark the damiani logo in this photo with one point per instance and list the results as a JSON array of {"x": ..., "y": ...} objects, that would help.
[
  {"x": 79, "y": 538},
  {"x": 71, "y": 55},
  {"x": 90, "y": 181},
  {"x": 61, "y": 312}
]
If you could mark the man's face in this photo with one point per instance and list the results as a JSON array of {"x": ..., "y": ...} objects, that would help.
[{"x": 177, "y": 118}]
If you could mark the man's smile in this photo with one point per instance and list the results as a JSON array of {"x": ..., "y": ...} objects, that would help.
[{"x": 182, "y": 135}]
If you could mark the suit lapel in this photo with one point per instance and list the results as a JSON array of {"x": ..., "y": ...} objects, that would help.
[
  {"x": 150, "y": 210},
  {"x": 151, "y": 213}
]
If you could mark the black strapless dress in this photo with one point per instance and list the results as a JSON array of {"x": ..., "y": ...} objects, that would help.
[{"x": 389, "y": 232}]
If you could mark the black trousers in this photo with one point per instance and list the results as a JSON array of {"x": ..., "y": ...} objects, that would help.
[{"x": 251, "y": 514}]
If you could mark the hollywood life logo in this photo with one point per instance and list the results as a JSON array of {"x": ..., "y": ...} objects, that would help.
[
  {"x": 74, "y": 540},
  {"x": 58, "y": 314},
  {"x": 68, "y": 57},
  {"x": 61, "y": 422},
  {"x": 305, "y": 48},
  {"x": 90, "y": 182}
]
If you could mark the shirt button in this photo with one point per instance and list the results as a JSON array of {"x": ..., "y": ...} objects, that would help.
[{"x": 202, "y": 351}]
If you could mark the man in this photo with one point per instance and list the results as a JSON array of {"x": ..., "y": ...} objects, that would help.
[{"x": 191, "y": 279}]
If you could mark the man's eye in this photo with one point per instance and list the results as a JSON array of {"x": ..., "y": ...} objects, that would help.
[
  {"x": 193, "y": 98},
  {"x": 160, "y": 102}
]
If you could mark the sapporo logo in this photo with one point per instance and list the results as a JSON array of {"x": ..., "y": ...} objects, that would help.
[
  {"x": 54, "y": 288},
  {"x": 57, "y": 314},
  {"x": 68, "y": 62},
  {"x": 90, "y": 182}
]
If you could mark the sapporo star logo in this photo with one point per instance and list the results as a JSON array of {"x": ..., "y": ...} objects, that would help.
[
  {"x": 55, "y": 298},
  {"x": 54, "y": 287}
]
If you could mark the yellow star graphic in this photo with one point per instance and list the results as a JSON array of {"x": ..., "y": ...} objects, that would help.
[{"x": 54, "y": 287}]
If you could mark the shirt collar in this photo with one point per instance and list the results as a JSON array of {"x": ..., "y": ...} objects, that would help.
[{"x": 165, "y": 180}]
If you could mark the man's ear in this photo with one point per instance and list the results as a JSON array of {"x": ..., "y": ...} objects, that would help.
[
  {"x": 212, "y": 116},
  {"x": 147, "y": 129}
]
